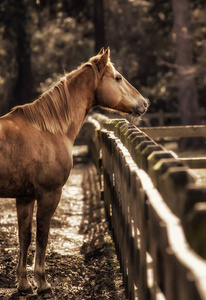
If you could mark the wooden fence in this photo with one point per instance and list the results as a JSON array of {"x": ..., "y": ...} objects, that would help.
[
  {"x": 160, "y": 118},
  {"x": 154, "y": 208}
]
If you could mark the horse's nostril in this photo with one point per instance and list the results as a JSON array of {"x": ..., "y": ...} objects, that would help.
[{"x": 145, "y": 103}]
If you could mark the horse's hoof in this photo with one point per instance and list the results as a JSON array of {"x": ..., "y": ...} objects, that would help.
[
  {"x": 25, "y": 292},
  {"x": 46, "y": 291}
]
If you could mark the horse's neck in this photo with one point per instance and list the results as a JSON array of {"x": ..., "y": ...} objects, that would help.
[
  {"x": 81, "y": 89},
  {"x": 64, "y": 108}
]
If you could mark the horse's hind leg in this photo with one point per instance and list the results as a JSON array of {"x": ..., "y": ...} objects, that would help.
[
  {"x": 25, "y": 209},
  {"x": 47, "y": 204}
]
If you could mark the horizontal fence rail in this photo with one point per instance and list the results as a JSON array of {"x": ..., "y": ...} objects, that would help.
[
  {"x": 161, "y": 117},
  {"x": 154, "y": 208},
  {"x": 175, "y": 131}
]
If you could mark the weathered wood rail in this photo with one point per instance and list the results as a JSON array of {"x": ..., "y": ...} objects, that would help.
[
  {"x": 154, "y": 208},
  {"x": 161, "y": 117}
]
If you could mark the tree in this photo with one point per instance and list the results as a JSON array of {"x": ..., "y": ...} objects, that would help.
[
  {"x": 187, "y": 92},
  {"x": 19, "y": 84},
  {"x": 99, "y": 25}
]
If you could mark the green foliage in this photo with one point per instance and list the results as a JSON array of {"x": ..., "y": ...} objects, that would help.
[
  {"x": 61, "y": 42},
  {"x": 59, "y": 45}
]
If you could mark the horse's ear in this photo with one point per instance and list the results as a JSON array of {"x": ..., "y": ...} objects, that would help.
[
  {"x": 103, "y": 61},
  {"x": 108, "y": 52},
  {"x": 101, "y": 51}
]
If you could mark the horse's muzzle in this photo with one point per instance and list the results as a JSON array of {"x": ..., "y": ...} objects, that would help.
[{"x": 141, "y": 109}]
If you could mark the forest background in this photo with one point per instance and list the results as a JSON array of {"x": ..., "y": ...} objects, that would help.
[{"x": 158, "y": 45}]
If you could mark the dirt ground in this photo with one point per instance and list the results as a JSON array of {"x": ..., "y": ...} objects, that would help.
[{"x": 81, "y": 262}]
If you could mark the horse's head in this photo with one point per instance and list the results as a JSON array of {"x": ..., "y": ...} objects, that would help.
[{"x": 113, "y": 90}]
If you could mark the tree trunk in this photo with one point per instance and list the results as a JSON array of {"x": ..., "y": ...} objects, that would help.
[
  {"x": 187, "y": 92},
  {"x": 23, "y": 87},
  {"x": 99, "y": 25},
  {"x": 20, "y": 89}
]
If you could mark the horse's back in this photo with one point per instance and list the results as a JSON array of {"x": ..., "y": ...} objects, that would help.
[{"x": 31, "y": 161}]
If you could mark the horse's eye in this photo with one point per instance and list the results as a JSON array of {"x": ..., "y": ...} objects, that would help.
[{"x": 118, "y": 78}]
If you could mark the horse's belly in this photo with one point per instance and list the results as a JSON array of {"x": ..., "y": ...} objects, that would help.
[
  {"x": 15, "y": 180},
  {"x": 12, "y": 188},
  {"x": 31, "y": 179},
  {"x": 34, "y": 180}
]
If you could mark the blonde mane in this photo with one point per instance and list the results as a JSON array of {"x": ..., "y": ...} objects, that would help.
[{"x": 51, "y": 111}]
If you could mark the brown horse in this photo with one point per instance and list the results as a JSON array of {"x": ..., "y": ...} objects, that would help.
[{"x": 36, "y": 142}]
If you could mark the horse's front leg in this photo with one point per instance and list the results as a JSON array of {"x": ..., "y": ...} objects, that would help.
[
  {"x": 25, "y": 209},
  {"x": 47, "y": 204}
]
